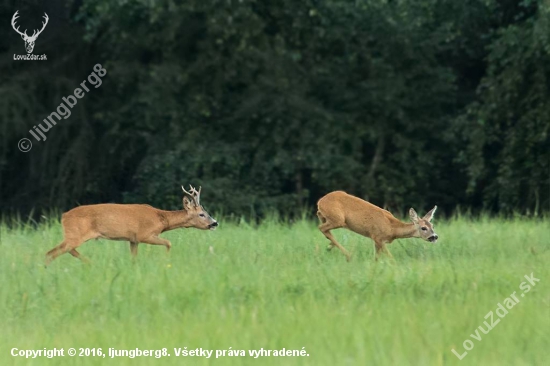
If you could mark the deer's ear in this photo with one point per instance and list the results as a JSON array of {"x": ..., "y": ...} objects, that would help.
[
  {"x": 413, "y": 215},
  {"x": 187, "y": 205},
  {"x": 430, "y": 215}
]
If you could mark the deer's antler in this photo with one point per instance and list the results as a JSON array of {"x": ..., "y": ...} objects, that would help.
[
  {"x": 13, "y": 19},
  {"x": 196, "y": 195},
  {"x": 35, "y": 33},
  {"x": 46, "y": 18}
]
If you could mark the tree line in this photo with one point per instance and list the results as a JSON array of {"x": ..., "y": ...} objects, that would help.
[{"x": 271, "y": 104}]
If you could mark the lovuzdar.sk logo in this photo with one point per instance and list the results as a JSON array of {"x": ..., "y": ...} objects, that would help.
[{"x": 29, "y": 40}]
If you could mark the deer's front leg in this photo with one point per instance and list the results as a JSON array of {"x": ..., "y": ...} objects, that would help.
[
  {"x": 381, "y": 247},
  {"x": 133, "y": 248},
  {"x": 378, "y": 247},
  {"x": 155, "y": 240}
]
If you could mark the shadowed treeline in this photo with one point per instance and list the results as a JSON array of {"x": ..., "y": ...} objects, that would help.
[{"x": 271, "y": 104}]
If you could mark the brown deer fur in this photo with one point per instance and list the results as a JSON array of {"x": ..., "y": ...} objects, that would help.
[
  {"x": 134, "y": 223},
  {"x": 341, "y": 210}
]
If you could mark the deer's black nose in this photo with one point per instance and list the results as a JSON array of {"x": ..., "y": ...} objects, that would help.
[{"x": 214, "y": 224}]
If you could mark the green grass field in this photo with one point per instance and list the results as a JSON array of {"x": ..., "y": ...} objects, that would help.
[{"x": 275, "y": 286}]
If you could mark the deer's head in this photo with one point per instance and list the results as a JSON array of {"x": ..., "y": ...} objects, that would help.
[
  {"x": 29, "y": 40},
  {"x": 424, "y": 225},
  {"x": 198, "y": 217}
]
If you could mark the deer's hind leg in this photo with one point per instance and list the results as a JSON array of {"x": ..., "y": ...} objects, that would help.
[
  {"x": 57, "y": 251},
  {"x": 326, "y": 225},
  {"x": 324, "y": 220},
  {"x": 66, "y": 246},
  {"x": 73, "y": 239},
  {"x": 76, "y": 254}
]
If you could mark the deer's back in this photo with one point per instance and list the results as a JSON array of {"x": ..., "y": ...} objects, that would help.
[
  {"x": 357, "y": 215},
  {"x": 112, "y": 220}
]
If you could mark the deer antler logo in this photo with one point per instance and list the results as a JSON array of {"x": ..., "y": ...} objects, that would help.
[{"x": 29, "y": 41}]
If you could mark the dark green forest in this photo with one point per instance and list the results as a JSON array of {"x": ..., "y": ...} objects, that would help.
[{"x": 269, "y": 105}]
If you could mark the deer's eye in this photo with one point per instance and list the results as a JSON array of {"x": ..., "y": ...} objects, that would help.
[
  {"x": 424, "y": 228},
  {"x": 201, "y": 215}
]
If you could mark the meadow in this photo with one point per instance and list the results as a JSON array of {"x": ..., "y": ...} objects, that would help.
[{"x": 274, "y": 286}]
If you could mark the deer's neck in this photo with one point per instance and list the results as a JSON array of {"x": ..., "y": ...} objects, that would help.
[
  {"x": 174, "y": 219},
  {"x": 401, "y": 230}
]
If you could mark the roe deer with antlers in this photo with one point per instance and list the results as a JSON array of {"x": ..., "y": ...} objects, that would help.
[
  {"x": 134, "y": 223},
  {"x": 341, "y": 210}
]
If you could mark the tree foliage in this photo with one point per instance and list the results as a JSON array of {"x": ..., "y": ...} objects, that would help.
[{"x": 271, "y": 104}]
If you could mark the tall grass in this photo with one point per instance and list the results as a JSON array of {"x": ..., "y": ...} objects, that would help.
[{"x": 274, "y": 285}]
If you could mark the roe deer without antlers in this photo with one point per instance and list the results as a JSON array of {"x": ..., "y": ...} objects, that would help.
[
  {"x": 341, "y": 210},
  {"x": 134, "y": 223}
]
